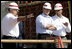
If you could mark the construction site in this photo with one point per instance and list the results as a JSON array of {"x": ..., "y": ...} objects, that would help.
[{"x": 35, "y": 7}]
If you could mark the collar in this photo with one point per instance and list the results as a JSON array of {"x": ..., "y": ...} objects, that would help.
[
  {"x": 58, "y": 17},
  {"x": 12, "y": 14},
  {"x": 45, "y": 15}
]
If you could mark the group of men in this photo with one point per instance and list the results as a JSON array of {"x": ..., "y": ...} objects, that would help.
[
  {"x": 46, "y": 26},
  {"x": 55, "y": 26}
]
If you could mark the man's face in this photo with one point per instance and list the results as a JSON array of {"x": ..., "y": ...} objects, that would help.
[
  {"x": 46, "y": 11},
  {"x": 15, "y": 11},
  {"x": 59, "y": 12}
]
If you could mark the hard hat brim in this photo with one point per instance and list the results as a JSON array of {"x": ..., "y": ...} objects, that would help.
[
  {"x": 47, "y": 8},
  {"x": 58, "y": 8}
]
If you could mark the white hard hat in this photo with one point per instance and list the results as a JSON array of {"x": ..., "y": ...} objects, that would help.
[
  {"x": 58, "y": 6},
  {"x": 47, "y": 6},
  {"x": 13, "y": 5}
]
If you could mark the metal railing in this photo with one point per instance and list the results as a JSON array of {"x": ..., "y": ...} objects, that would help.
[{"x": 32, "y": 41}]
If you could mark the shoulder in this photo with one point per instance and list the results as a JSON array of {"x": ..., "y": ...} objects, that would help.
[
  {"x": 54, "y": 17},
  {"x": 65, "y": 18},
  {"x": 50, "y": 17},
  {"x": 20, "y": 22},
  {"x": 8, "y": 14},
  {"x": 39, "y": 16}
]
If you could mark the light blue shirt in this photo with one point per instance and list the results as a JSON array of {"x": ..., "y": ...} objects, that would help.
[{"x": 41, "y": 21}]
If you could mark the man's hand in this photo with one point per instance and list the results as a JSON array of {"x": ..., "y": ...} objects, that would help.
[
  {"x": 66, "y": 24},
  {"x": 48, "y": 25},
  {"x": 30, "y": 15},
  {"x": 52, "y": 28}
]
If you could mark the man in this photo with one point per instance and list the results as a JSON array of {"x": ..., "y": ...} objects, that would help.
[
  {"x": 9, "y": 25},
  {"x": 62, "y": 24},
  {"x": 21, "y": 35},
  {"x": 44, "y": 26}
]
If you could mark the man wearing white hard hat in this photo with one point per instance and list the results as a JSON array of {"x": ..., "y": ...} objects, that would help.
[
  {"x": 62, "y": 23},
  {"x": 9, "y": 25},
  {"x": 44, "y": 26}
]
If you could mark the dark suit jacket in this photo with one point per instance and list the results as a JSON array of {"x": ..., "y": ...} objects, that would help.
[{"x": 21, "y": 31}]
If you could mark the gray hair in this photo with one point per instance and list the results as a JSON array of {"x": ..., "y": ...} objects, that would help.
[{"x": 9, "y": 9}]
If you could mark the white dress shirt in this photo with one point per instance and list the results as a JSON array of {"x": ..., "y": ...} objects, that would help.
[
  {"x": 61, "y": 28},
  {"x": 10, "y": 26},
  {"x": 41, "y": 21}
]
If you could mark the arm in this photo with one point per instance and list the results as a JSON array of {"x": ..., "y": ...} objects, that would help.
[
  {"x": 52, "y": 28},
  {"x": 43, "y": 24},
  {"x": 48, "y": 26},
  {"x": 22, "y": 18},
  {"x": 17, "y": 19},
  {"x": 68, "y": 26},
  {"x": 40, "y": 22}
]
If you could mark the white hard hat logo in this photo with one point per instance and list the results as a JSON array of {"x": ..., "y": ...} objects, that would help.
[
  {"x": 58, "y": 6},
  {"x": 47, "y": 5}
]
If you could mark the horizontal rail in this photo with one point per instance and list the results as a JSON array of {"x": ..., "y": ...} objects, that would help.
[{"x": 32, "y": 41}]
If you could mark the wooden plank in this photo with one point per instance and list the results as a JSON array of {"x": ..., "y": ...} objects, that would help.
[{"x": 32, "y": 41}]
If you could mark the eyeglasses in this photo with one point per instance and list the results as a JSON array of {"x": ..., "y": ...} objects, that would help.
[{"x": 16, "y": 10}]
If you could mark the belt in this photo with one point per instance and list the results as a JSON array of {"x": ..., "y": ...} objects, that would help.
[
  {"x": 44, "y": 34},
  {"x": 59, "y": 36},
  {"x": 9, "y": 36}
]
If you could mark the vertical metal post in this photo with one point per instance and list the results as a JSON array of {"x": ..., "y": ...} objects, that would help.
[
  {"x": 58, "y": 42},
  {"x": 69, "y": 10},
  {"x": 29, "y": 23},
  {"x": 18, "y": 2}
]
